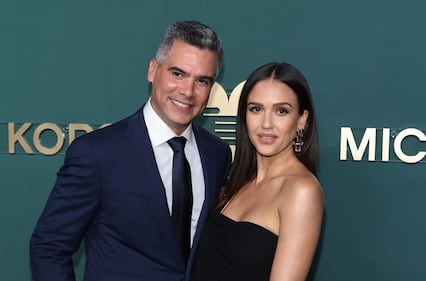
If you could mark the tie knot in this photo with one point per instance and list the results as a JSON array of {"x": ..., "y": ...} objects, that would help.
[{"x": 177, "y": 143}]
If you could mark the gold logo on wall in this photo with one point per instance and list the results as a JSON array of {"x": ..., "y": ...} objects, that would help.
[
  {"x": 222, "y": 107},
  {"x": 49, "y": 138}
]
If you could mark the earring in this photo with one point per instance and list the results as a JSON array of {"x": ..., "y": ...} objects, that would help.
[{"x": 298, "y": 141}]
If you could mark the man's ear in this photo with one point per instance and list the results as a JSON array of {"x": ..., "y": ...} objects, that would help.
[{"x": 152, "y": 69}]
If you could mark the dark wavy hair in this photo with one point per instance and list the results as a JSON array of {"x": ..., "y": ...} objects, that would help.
[{"x": 244, "y": 167}]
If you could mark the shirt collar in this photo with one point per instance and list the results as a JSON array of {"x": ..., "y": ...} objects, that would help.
[{"x": 158, "y": 131}]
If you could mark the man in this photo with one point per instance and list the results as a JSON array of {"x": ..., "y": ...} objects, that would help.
[{"x": 115, "y": 187}]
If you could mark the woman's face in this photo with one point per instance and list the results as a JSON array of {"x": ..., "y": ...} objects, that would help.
[{"x": 273, "y": 118}]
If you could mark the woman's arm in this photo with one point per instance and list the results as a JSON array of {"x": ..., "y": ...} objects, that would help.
[{"x": 300, "y": 213}]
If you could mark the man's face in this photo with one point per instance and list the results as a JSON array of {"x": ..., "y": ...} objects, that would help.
[{"x": 181, "y": 84}]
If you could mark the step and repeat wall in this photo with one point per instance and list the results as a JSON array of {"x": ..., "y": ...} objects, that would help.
[{"x": 69, "y": 67}]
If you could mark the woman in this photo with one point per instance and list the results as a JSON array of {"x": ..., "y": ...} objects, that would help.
[{"x": 268, "y": 222}]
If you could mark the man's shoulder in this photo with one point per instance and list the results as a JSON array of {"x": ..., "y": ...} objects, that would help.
[{"x": 110, "y": 132}]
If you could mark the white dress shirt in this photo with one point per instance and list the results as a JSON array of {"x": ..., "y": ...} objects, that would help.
[{"x": 159, "y": 133}]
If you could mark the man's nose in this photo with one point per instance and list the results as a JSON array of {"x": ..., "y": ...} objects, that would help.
[{"x": 187, "y": 87}]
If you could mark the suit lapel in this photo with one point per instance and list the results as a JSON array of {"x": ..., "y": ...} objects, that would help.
[
  {"x": 209, "y": 170},
  {"x": 146, "y": 172}
]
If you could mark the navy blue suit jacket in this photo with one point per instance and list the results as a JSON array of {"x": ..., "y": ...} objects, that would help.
[{"x": 109, "y": 191}]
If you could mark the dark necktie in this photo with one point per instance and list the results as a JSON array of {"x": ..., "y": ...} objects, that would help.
[{"x": 182, "y": 195}]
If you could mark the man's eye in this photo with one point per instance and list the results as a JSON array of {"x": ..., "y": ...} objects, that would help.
[
  {"x": 205, "y": 82},
  {"x": 176, "y": 73}
]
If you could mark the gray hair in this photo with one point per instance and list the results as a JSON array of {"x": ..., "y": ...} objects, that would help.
[{"x": 194, "y": 33}]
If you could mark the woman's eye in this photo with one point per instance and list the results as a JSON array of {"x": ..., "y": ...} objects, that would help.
[
  {"x": 254, "y": 108},
  {"x": 282, "y": 111}
]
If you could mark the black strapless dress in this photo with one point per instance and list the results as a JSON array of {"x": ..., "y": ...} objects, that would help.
[{"x": 233, "y": 251}]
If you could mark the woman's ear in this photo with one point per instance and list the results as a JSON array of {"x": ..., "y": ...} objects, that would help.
[{"x": 301, "y": 124}]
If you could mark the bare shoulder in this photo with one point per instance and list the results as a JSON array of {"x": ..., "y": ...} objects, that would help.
[
  {"x": 306, "y": 183},
  {"x": 300, "y": 211},
  {"x": 301, "y": 189}
]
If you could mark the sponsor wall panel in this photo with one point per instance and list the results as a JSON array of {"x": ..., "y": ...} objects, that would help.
[{"x": 68, "y": 68}]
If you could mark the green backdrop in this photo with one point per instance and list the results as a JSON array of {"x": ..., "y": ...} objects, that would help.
[{"x": 85, "y": 62}]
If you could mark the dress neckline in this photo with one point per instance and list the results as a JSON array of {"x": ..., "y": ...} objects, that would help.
[{"x": 247, "y": 222}]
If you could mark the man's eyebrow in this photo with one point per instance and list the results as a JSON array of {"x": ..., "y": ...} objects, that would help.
[
  {"x": 209, "y": 78},
  {"x": 175, "y": 68},
  {"x": 184, "y": 73}
]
